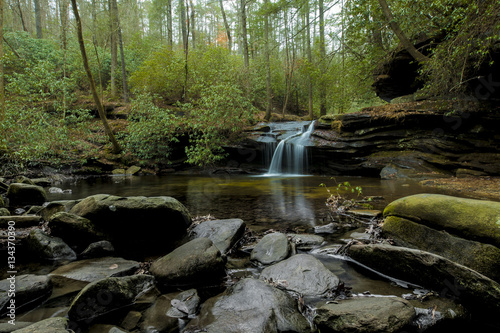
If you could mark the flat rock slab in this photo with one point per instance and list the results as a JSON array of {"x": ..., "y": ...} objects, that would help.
[
  {"x": 302, "y": 273},
  {"x": 223, "y": 233},
  {"x": 478, "y": 293},
  {"x": 90, "y": 270},
  {"x": 365, "y": 315},
  {"x": 306, "y": 241},
  {"x": 271, "y": 249},
  {"x": 50, "y": 325},
  {"x": 367, "y": 213},
  {"x": 28, "y": 288},
  {"x": 24, "y": 221}
]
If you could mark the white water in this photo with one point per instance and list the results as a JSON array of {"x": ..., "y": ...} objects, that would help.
[{"x": 290, "y": 156}]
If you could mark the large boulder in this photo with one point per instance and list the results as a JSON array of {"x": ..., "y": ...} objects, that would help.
[
  {"x": 223, "y": 233},
  {"x": 25, "y": 194},
  {"x": 247, "y": 307},
  {"x": 136, "y": 224},
  {"x": 30, "y": 290},
  {"x": 301, "y": 273},
  {"x": 49, "y": 325},
  {"x": 476, "y": 220},
  {"x": 76, "y": 230},
  {"x": 108, "y": 295},
  {"x": 484, "y": 258},
  {"x": 196, "y": 262},
  {"x": 272, "y": 248},
  {"x": 365, "y": 315},
  {"x": 478, "y": 292},
  {"x": 47, "y": 247}
]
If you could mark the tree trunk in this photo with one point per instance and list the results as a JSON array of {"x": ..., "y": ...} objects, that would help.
[
  {"x": 170, "y": 38},
  {"x": 182, "y": 18},
  {"x": 226, "y": 25},
  {"x": 122, "y": 55},
  {"x": 244, "y": 33},
  {"x": 100, "y": 109},
  {"x": 38, "y": 19},
  {"x": 21, "y": 15},
  {"x": 113, "y": 47},
  {"x": 193, "y": 25},
  {"x": 402, "y": 37},
  {"x": 322, "y": 54},
  {"x": 63, "y": 16},
  {"x": 309, "y": 59},
  {"x": 268, "y": 66},
  {"x": 2, "y": 90}
]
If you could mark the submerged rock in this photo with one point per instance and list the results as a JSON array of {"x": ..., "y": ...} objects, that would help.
[
  {"x": 247, "y": 307},
  {"x": 271, "y": 248},
  {"x": 365, "y": 315},
  {"x": 194, "y": 263},
  {"x": 50, "y": 325},
  {"x": 301, "y": 273},
  {"x": 25, "y": 194},
  {"x": 30, "y": 290},
  {"x": 47, "y": 247},
  {"x": 223, "y": 233}
]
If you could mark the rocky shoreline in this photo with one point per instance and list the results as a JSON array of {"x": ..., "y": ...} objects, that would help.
[{"x": 139, "y": 264}]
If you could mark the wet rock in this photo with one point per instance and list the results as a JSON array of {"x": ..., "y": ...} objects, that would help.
[
  {"x": 184, "y": 304},
  {"x": 326, "y": 229},
  {"x": 301, "y": 273},
  {"x": 306, "y": 242},
  {"x": 30, "y": 290},
  {"x": 223, "y": 233},
  {"x": 467, "y": 218},
  {"x": 76, "y": 230},
  {"x": 271, "y": 248},
  {"x": 98, "y": 250},
  {"x": 136, "y": 224},
  {"x": 90, "y": 270},
  {"x": 247, "y": 307},
  {"x": 108, "y": 295},
  {"x": 478, "y": 293},
  {"x": 132, "y": 170},
  {"x": 25, "y": 194},
  {"x": 365, "y": 314},
  {"x": 366, "y": 213},
  {"x": 43, "y": 182},
  {"x": 131, "y": 320},
  {"x": 57, "y": 206},
  {"x": 24, "y": 221},
  {"x": 118, "y": 172},
  {"x": 24, "y": 180},
  {"x": 196, "y": 262},
  {"x": 47, "y": 247},
  {"x": 8, "y": 328},
  {"x": 102, "y": 328},
  {"x": 155, "y": 318},
  {"x": 50, "y": 325},
  {"x": 484, "y": 258}
]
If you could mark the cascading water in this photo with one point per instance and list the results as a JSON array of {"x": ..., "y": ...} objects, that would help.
[{"x": 290, "y": 155}]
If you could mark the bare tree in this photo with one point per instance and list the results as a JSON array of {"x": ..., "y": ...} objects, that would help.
[
  {"x": 244, "y": 32},
  {"x": 226, "y": 25}
]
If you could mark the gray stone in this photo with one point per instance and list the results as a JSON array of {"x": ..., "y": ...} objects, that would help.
[
  {"x": 76, "y": 230},
  {"x": 107, "y": 295},
  {"x": 30, "y": 290},
  {"x": 301, "y": 273},
  {"x": 25, "y": 194},
  {"x": 223, "y": 233},
  {"x": 247, "y": 307},
  {"x": 365, "y": 315},
  {"x": 306, "y": 242},
  {"x": 184, "y": 304},
  {"x": 90, "y": 270},
  {"x": 50, "y": 325},
  {"x": 478, "y": 292},
  {"x": 196, "y": 262},
  {"x": 47, "y": 247},
  {"x": 155, "y": 318},
  {"x": 56, "y": 207},
  {"x": 271, "y": 249},
  {"x": 98, "y": 249},
  {"x": 9, "y": 328}
]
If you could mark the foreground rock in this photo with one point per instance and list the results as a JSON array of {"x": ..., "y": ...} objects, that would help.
[
  {"x": 194, "y": 263},
  {"x": 306, "y": 242},
  {"x": 247, "y": 307},
  {"x": 136, "y": 224},
  {"x": 271, "y": 249},
  {"x": 366, "y": 314},
  {"x": 30, "y": 290},
  {"x": 302, "y": 273},
  {"x": 223, "y": 233},
  {"x": 76, "y": 231},
  {"x": 108, "y": 295},
  {"x": 50, "y": 325},
  {"x": 24, "y": 221},
  {"x": 26, "y": 194},
  {"x": 49, "y": 248},
  {"x": 478, "y": 293}
]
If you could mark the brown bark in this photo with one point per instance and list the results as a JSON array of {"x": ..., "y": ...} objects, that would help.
[
  {"x": 268, "y": 67},
  {"x": 322, "y": 53},
  {"x": 226, "y": 25},
  {"x": 244, "y": 33},
  {"x": 100, "y": 109}
]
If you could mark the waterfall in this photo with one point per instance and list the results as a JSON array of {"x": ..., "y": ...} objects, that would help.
[{"x": 290, "y": 155}]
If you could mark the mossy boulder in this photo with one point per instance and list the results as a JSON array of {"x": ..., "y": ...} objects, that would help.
[
  {"x": 25, "y": 194},
  {"x": 476, "y": 220},
  {"x": 76, "y": 230},
  {"x": 47, "y": 247},
  {"x": 484, "y": 258}
]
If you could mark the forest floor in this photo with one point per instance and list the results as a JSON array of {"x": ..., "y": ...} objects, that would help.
[{"x": 477, "y": 187}]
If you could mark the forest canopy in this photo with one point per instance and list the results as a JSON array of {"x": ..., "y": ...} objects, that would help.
[{"x": 187, "y": 64}]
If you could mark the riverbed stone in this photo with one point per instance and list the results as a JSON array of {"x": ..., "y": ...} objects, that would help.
[
  {"x": 47, "y": 247},
  {"x": 132, "y": 170},
  {"x": 484, "y": 258},
  {"x": 25, "y": 194},
  {"x": 90, "y": 270},
  {"x": 57, "y": 206},
  {"x": 271, "y": 249},
  {"x": 250, "y": 306},
  {"x": 23, "y": 221},
  {"x": 30, "y": 290},
  {"x": 98, "y": 249},
  {"x": 223, "y": 233},
  {"x": 301, "y": 273},
  {"x": 196, "y": 262},
  {"x": 478, "y": 293},
  {"x": 136, "y": 224},
  {"x": 306, "y": 242},
  {"x": 77, "y": 231},
  {"x": 108, "y": 295},
  {"x": 155, "y": 318},
  {"x": 476, "y": 220},
  {"x": 49, "y": 325},
  {"x": 365, "y": 315},
  {"x": 4, "y": 212}
]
